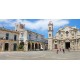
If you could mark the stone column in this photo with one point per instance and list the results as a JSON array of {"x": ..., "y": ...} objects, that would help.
[
  {"x": 79, "y": 44},
  {"x": 76, "y": 44},
  {"x": 3, "y": 46},
  {"x": 30, "y": 46},
  {"x": 9, "y": 47},
  {"x": 26, "y": 46},
  {"x": 71, "y": 44},
  {"x": 43, "y": 46},
  {"x": 76, "y": 40},
  {"x": 34, "y": 46},
  {"x": 38, "y": 46}
]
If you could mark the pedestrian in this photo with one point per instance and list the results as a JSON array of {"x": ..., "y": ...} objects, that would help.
[
  {"x": 60, "y": 49},
  {"x": 57, "y": 51},
  {"x": 63, "y": 51}
]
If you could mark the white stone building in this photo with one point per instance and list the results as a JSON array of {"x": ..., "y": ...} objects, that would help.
[
  {"x": 32, "y": 40},
  {"x": 67, "y": 37}
]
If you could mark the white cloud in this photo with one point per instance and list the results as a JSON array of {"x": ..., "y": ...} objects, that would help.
[
  {"x": 43, "y": 24},
  {"x": 39, "y": 24},
  {"x": 6, "y": 22}
]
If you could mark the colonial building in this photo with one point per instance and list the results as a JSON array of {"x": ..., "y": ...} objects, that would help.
[
  {"x": 67, "y": 37},
  {"x": 32, "y": 40},
  {"x": 8, "y": 40}
]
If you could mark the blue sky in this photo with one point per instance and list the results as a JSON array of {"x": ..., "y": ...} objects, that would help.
[{"x": 40, "y": 25}]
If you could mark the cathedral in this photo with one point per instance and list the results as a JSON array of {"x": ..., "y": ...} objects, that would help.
[{"x": 65, "y": 38}]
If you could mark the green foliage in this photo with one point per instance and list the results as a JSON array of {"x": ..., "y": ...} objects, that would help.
[{"x": 21, "y": 46}]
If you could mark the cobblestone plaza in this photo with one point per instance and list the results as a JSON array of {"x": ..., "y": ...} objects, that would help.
[{"x": 40, "y": 55}]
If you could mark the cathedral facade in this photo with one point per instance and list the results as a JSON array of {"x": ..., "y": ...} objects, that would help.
[{"x": 66, "y": 38}]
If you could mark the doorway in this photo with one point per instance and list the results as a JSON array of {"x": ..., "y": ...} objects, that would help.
[
  {"x": 29, "y": 46},
  {"x": 14, "y": 47},
  {"x": 55, "y": 46},
  {"x": 67, "y": 45},
  {"x": 6, "y": 48},
  {"x": 36, "y": 46}
]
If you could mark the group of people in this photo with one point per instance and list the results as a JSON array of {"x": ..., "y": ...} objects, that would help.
[
  {"x": 63, "y": 50},
  {"x": 60, "y": 50}
]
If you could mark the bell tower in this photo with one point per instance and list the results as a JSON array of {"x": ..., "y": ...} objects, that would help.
[
  {"x": 19, "y": 27},
  {"x": 50, "y": 35}
]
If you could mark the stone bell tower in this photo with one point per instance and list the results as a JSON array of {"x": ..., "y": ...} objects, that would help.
[
  {"x": 19, "y": 27},
  {"x": 50, "y": 36}
]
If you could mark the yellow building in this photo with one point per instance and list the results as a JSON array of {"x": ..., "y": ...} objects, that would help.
[{"x": 8, "y": 40}]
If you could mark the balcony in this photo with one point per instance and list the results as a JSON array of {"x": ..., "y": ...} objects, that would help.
[{"x": 7, "y": 39}]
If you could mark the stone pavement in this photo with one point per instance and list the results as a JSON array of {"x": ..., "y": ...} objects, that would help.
[{"x": 40, "y": 55}]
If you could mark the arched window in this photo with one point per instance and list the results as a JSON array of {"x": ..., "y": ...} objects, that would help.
[
  {"x": 7, "y": 36},
  {"x": 67, "y": 33},
  {"x": 15, "y": 37},
  {"x": 49, "y": 28},
  {"x": 49, "y": 35},
  {"x": 29, "y": 36}
]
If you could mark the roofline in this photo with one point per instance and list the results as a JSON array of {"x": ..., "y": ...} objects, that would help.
[
  {"x": 9, "y": 31},
  {"x": 34, "y": 32}
]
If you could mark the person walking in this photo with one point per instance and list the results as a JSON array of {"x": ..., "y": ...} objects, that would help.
[
  {"x": 63, "y": 51},
  {"x": 57, "y": 51}
]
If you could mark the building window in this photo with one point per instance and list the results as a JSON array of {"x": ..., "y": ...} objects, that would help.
[
  {"x": 29, "y": 36},
  {"x": 67, "y": 33},
  {"x": 22, "y": 34},
  {"x": 55, "y": 41},
  {"x": 49, "y": 35},
  {"x": 15, "y": 37},
  {"x": 7, "y": 36},
  {"x": 49, "y": 28}
]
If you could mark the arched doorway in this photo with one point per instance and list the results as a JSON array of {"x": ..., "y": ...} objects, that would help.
[
  {"x": 6, "y": 46},
  {"x": 29, "y": 46},
  {"x": 36, "y": 46},
  {"x": 32, "y": 46},
  {"x": 14, "y": 47},
  {"x": 67, "y": 44}
]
